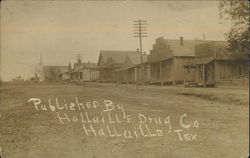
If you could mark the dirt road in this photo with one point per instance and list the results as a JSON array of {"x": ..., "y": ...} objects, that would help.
[{"x": 163, "y": 122}]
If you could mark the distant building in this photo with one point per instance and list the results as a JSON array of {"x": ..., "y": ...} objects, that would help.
[
  {"x": 39, "y": 72},
  {"x": 215, "y": 64},
  {"x": 65, "y": 75},
  {"x": 94, "y": 73},
  {"x": 167, "y": 59},
  {"x": 82, "y": 71},
  {"x": 131, "y": 71},
  {"x": 109, "y": 61},
  {"x": 51, "y": 73},
  {"x": 17, "y": 80}
]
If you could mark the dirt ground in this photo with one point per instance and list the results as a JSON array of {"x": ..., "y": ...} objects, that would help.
[{"x": 218, "y": 118}]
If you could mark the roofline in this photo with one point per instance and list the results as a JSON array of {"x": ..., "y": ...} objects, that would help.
[
  {"x": 192, "y": 56},
  {"x": 233, "y": 59},
  {"x": 161, "y": 60},
  {"x": 54, "y": 66},
  {"x": 119, "y": 51},
  {"x": 187, "y": 39},
  {"x": 215, "y": 59}
]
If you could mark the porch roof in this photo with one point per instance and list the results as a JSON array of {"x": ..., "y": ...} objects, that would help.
[
  {"x": 160, "y": 60},
  {"x": 231, "y": 57},
  {"x": 125, "y": 68},
  {"x": 199, "y": 61}
]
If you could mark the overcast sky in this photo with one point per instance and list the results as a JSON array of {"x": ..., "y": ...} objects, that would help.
[{"x": 58, "y": 30}]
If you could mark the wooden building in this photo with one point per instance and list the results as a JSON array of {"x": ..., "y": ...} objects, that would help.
[
  {"x": 131, "y": 71},
  {"x": 65, "y": 75},
  {"x": 167, "y": 59},
  {"x": 82, "y": 71},
  {"x": 94, "y": 74},
  {"x": 51, "y": 73},
  {"x": 109, "y": 62},
  {"x": 215, "y": 65}
]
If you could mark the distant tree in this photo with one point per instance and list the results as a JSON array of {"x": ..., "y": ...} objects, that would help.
[{"x": 237, "y": 12}]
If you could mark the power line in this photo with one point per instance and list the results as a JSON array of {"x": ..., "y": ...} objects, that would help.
[{"x": 140, "y": 31}]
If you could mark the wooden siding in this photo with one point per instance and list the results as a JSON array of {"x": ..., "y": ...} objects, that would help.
[
  {"x": 171, "y": 70},
  {"x": 94, "y": 74},
  {"x": 107, "y": 74},
  {"x": 155, "y": 71},
  {"x": 190, "y": 74},
  {"x": 167, "y": 69},
  {"x": 232, "y": 70},
  {"x": 210, "y": 71},
  {"x": 179, "y": 70},
  {"x": 223, "y": 70}
]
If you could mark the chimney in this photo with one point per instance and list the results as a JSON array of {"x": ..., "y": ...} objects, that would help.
[
  {"x": 181, "y": 41},
  {"x": 144, "y": 53},
  {"x": 137, "y": 49}
]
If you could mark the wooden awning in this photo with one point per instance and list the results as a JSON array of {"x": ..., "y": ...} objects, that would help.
[{"x": 199, "y": 61}]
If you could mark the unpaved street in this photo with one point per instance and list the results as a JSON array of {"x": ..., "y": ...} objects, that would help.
[{"x": 221, "y": 129}]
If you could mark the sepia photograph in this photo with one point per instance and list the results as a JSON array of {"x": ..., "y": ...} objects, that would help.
[{"x": 124, "y": 79}]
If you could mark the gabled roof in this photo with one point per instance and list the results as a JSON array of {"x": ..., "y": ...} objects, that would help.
[
  {"x": 86, "y": 65},
  {"x": 232, "y": 56},
  {"x": 89, "y": 65},
  {"x": 229, "y": 57},
  {"x": 220, "y": 51},
  {"x": 168, "y": 48},
  {"x": 136, "y": 58},
  {"x": 59, "y": 68},
  {"x": 187, "y": 49},
  {"x": 114, "y": 56},
  {"x": 198, "y": 61}
]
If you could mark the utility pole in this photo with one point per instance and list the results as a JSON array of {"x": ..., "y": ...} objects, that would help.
[
  {"x": 140, "y": 31},
  {"x": 0, "y": 68}
]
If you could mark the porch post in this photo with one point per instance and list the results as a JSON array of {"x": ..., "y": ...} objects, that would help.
[
  {"x": 203, "y": 69},
  {"x": 197, "y": 72},
  {"x": 128, "y": 74},
  {"x": 90, "y": 74},
  {"x": 216, "y": 74},
  {"x": 96, "y": 74},
  {"x": 161, "y": 75},
  {"x": 185, "y": 74},
  {"x": 135, "y": 74},
  {"x": 93, "y": 74}
]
